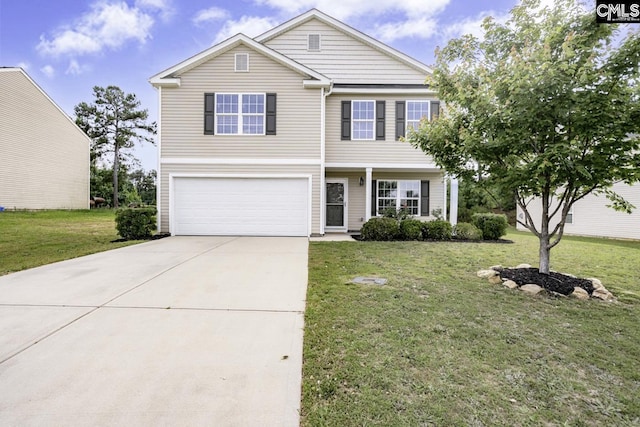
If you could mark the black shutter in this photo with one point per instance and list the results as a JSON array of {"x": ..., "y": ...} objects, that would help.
[
  {"x": 270, "y": 115},
  {"x": 400, "y": 119},
  {"x": 435, "y": 109},
  {"x": 424, "y": 198},
  {"x": 345, "y": 133},
  {"x": 380, "y": 113},
  {"x": 374, "y": 198},
  {"x": 209, "y": 113}
]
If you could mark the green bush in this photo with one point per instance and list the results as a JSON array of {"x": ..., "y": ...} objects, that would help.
[
  {"x": 493, "y": 226},
  {"x": 466, "y": 231},
  {"x": 437, "y": 230},
  {"x": 380, "y": 229},
  {"x": 136, "y": 223},
  {"x": 397, "y": 214},
  {"x": 411, "y": 229}
]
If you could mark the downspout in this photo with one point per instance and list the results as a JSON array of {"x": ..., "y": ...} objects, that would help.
[
  {"x": 159, "y": 171},
  {"x": 323, "y": 107}
]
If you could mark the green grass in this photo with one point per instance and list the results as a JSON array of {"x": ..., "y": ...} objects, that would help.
[
  {"x": 30, "y": 239},
  {"x": 439, "y": 346}
]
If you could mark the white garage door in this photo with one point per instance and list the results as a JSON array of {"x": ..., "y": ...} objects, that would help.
[{"x": 241, "y": 207}]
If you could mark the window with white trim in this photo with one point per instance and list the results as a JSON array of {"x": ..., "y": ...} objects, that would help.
[
  {"x": 399, "y": 195},
  {"x": 569, "y": 219},
  {"x": 240, "y": 113},
  {"x": 416, "y": 110},
  {"x": 363, "y": 119}
]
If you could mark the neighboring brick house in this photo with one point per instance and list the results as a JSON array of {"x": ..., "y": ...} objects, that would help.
[
  {"x": 295, "y": 132},
  {"x": 44, "y": 156}
]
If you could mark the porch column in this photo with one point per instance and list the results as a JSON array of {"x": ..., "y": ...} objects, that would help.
[
  {"x": 453, "y": 202},
  {"x": 368, "y": 190}
]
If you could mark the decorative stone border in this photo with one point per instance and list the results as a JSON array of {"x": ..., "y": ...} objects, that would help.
[{"x": 493, "y": 276}]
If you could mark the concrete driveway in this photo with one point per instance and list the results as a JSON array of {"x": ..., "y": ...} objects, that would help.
[{"x": 179, "y": 331}]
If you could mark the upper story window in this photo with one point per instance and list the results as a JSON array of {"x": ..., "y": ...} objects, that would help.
[
  {"x": 313, "y": 42},
  {"x": 242, "y": 62},
  {"x": 416, "y": 110},
  {"x": 240, "y": 113},
  {"x": 363, "y": 119}
]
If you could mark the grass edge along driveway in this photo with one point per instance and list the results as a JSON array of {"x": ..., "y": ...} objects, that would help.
[
  {"x": 32, "y": 238},
  {"x": 439, "y": 346}
]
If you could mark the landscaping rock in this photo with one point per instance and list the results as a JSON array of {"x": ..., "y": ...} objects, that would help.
[
  {"x": 495, "y": 280},
  {"x": 510, "y": 284},
  {"x": 531, "y": 289},
  {"x": 579, "y": 293},
  {"x": 485, "y": 274},
  {"x": 523, "y": 266},
  {"x": 597, "y": 284},
  {"x": 602, "y": 294},
  {"x": 496, "y": 267}
]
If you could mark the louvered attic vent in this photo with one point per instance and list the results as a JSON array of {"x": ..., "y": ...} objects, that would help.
[
  {"x": 313, "y": 42},
  {"x": 242, "y": 62}
]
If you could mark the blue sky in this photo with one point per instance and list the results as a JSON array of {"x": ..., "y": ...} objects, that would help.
[{"x": 69, "y": 46}]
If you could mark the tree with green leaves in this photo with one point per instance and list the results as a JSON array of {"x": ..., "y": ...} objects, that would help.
[
  {"x": 115, "y": 123},
  {"x": 546, "y": 106}
]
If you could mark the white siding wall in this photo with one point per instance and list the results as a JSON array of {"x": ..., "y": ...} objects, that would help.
[
  {"x": 298, "y": 111},
  {"x": 44, "y": 157},
  {"x": 247, "y": 169},
  {"x": 387, "y": 151},
  {"x": 343, "y": 58},
  {"x": 591, "y": 217},
  {"x": 357, "y": 194}
]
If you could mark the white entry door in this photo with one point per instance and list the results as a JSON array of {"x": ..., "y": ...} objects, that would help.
[{"x": 336, "y": 190}]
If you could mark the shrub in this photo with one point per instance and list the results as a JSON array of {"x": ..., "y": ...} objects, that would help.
[
  {"x": 380, "y": 229},
  {"x": 397, "y": 214},
  {"x": 136, "y": 223},
  {"x": 466, "y": 231},
  {"x": 437, "y": 230},
  {"x": 411, "y": 229},
  {"x": 493, "y": 226}
]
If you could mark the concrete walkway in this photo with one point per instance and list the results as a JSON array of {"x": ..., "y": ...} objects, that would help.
[{"x": 179, "y": 331}]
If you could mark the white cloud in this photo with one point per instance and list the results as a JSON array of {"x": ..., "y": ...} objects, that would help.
[
  {"x": 408, "y": 18},
  {"x": 415, "y": 28},
  {"x": 248, "y": 25},
  {"x": 48, "y": 71},
  {"x": 164, "y": 7},
  {"x": 74, "y": 68},
  {"x": 211, "y": 14},
  {"x": 472, "y": 25},
  {"x": 107, "y": 25}
]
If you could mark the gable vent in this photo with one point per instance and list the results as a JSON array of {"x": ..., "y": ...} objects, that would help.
[
  {"x": 313, "y": 42},
  {"x": 242, "y": 62}
]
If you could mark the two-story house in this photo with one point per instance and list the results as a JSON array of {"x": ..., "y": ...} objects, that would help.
[{"x": 296, "y": 132}]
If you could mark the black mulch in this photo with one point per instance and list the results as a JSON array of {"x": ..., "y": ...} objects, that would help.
[{"x": 555, "y": 282}]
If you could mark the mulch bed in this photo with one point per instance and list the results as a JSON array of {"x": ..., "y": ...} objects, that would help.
[{"x": 554, "y": 282}]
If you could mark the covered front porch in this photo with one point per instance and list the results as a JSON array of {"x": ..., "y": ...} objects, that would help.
[{"x": 354, "y": 194}]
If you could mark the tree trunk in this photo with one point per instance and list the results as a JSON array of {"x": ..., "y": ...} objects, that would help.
[
  {"x": 544, "y": 253},
  {"x": 116, "y": 167}
]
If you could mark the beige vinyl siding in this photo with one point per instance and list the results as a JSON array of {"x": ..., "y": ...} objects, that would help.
[
  {"x": 343, "y": 58},
  {"x": 387, "y": 151},
  {"x": 591, "y": 216},
  {"x": 298, "y": 111},
  {"x": 44, "y": 156},
  {"x": 356, "y": 204},
  {"x": 238, "y": 170}
]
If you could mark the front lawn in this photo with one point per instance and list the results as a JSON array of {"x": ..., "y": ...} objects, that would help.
[
  {"x": 439, "y": 346},
  {"x": 30, "y": 239}
]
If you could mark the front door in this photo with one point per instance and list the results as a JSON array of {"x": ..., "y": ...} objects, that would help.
[{"x": 336, "y": 205}]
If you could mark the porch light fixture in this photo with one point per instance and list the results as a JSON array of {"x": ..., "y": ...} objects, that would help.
[{"x": 361, "y": 181}]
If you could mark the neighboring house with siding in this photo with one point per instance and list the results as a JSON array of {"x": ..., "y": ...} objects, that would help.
[
  {"x": 294, "y": 132},
  {"x": 590, "y": 216},
  {"x": 44, "y": 156}
]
